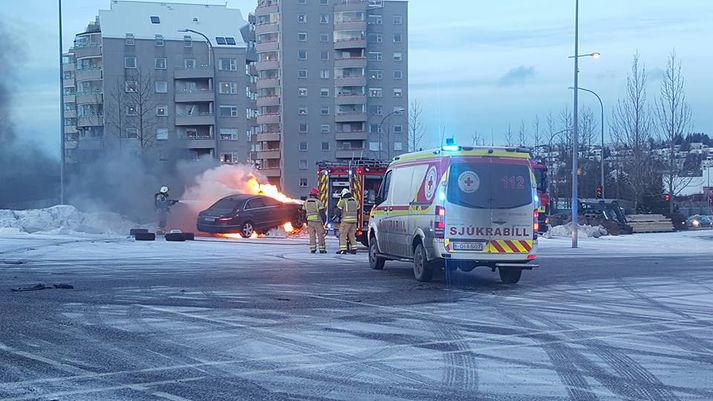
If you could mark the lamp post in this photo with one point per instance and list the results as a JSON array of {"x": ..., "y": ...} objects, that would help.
[
  {"x": 396, "y": 111},
  {"x": 601, "y": 107},
  {"x": 211, "y": 64},
  {"x": 61, "y": 110}
]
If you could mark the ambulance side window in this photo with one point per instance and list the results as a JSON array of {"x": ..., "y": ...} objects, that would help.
[{"x": 384, "y": 190}]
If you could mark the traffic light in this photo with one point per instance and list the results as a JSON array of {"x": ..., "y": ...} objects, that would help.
[
  {"x": 599, "y": 192},
  {"x": 667, "y": 197}
]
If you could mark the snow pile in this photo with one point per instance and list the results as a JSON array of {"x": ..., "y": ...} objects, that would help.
[
  {"x": 62, "y": 219},
  {"x": 584, "y": 231}
]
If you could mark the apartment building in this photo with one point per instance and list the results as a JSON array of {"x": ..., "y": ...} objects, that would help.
[
  {"x": 175, "y": 81},
  {"x": 332, "y": 85}
]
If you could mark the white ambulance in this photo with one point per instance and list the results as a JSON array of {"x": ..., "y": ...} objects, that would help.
[{"x": 457, "y": 208}]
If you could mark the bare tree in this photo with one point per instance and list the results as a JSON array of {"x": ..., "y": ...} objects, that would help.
[
  {"x": 522, "y": 134},
  {"x": 536, "y": 136},
  {"x": 508, "y": 136},
  {"x": 674, "y": 119},
  {"x": 587, "y": 128},
  {"x": 115, "y": 113},
  {"x": 631, "y": 126},
  {"x": 142, "y": 102},
  {"x": 477, "y": 139},
  {"x": 416, "y": 127}
]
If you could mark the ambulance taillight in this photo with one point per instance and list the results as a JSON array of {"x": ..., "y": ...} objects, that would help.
[
  {"x": 439, "y": 224},
  {"x": 535, "y": 223}
]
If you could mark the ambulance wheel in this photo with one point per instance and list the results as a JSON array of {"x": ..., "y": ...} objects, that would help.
[
  {"x": 510, "y": 276},
  {"x": 175, "y": 237},
  {"x": 422, "y": 268},
  {"x": 145, "y": 236},
  {"x": 375, "y": 262}
]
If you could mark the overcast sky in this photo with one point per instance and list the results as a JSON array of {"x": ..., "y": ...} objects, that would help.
[{"x": 474, "y": 65}]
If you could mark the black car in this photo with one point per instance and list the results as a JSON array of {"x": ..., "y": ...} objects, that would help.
[{"x": 248, "y": 214}]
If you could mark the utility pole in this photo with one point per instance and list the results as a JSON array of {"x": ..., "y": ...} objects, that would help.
[{"x": 61, "y": 109}]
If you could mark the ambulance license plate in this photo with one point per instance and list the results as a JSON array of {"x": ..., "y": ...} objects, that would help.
[{"x": 468, "y": 246}]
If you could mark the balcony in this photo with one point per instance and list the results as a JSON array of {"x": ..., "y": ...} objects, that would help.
[
  {"x": 268, "y": 83},
  {"x": 91, "y": 144},
  {"x": 352, "y": 136},
  {"x": 71, "y": 143},
  {"x": 95, "y": 74},
  {"x": 267, "y": 46},
  {"x": 90, "y": 121},
  {"x": 351, "y": 99},
  {"x": 273, "y": 154},
  {"x": 350, "y": 44},
  {"x": 70, "y": 114},
  {"x": 350, "y": 26},
  {"x": 199, "y": 142},
  {"x": 196, "y": 95},
  {"x": 267, "y": 65},
  {"x": 267, "y": 28},
  {"x": 268, "y": 101},
  {"x": 68, "y": 67},
  {"x": 271, "y": 172},
  {"x": 68, "y": 83},
  {"x": 87, "y": 51},
  {"x": 350, "y": 5},
  {"x": 273, "y": 118},
  {"x": 354, "y": 62},
  {"x": 89, "y": 97},
  {"x": 195, "y": 119},
  {"x": 70, "y": 129},
  {"x": 351, "y": 117},
  {"x": 350, "y": 81},
  {"x": 350, "y": 154},
  {"x": 267, "y": 8},
  {"x": 200, "y": 72},
  {"x": 70, "y": 99},
  {"x": 269, "y": 137}
]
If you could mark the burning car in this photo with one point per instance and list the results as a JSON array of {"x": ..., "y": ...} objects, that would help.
[{"x": 249, "y": 215}]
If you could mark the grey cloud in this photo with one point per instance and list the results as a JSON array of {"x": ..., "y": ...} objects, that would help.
[{"x": 517, "y": 75}]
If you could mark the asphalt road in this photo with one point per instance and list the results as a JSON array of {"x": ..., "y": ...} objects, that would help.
[{"x": 266, "y": 320}]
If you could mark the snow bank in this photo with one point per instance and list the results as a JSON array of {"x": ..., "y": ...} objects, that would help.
[
  {"x": 62, "y": 219},
  {"x": 584, "y": 231}
]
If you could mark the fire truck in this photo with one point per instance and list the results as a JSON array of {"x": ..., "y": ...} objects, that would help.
[
  {"x": 362, "y": 177},
  {"x": 540, "y": 171}
]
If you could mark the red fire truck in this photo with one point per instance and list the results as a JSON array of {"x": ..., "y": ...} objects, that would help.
[
  {"x": 540, "y": 171},
  {"x": 363, "y": 178}
]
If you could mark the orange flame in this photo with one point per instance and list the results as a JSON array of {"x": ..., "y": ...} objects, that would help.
[
  {"x": 268, "y": 190},
  {"x": 237, "y": 236},
  {"x": 288, "y": 227}
]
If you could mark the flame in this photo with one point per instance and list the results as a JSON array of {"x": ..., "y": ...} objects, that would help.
[
  {"x": 288, "y": 227},
  {"x": 270, "y": 190},
  {"x": 237, "y": 236}
]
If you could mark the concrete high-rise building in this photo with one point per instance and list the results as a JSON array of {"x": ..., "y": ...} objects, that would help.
[
  {"x": 143, "y": 75},
  {"x": 332, "y": 85}
]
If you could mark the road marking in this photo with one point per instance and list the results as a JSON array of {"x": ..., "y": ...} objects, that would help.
[
  {"x": 57, "y": 365},
  {"x": 168, "y": 396}
]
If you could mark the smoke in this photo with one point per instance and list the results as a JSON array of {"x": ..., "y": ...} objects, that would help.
[{"x": 28, "y": 176}]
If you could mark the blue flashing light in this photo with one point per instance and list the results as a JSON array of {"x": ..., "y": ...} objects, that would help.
[
  {"x": 451, "y": 148},
  {"x": 442, "y": 195}
]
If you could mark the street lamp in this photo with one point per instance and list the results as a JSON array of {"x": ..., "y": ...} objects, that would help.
[
  {"x": 211, "y": 63},
  {"x": 61, "y": 110},
  {"x": 396, "y": 111},
  {"x": 601, "y": 106}
]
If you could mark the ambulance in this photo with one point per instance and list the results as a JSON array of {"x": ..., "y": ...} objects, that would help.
[{"x": 457, "y": 208}]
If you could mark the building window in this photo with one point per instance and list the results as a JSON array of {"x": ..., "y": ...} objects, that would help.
[
  {"x": 374, "y": 146},
  {"x": 398, "y": 20},
  {"x": 228, "y": 88},
  {"x": 229, "y": 158},
  {"x": 158, "y": 40},
  {"x": 129, "y": 39},
  {"x": 302, "y": 55},
  {"x": 375, "y": 56},
  {"x": 303, "y": 128},
  {"x": 324, "y": 74},
  {"x": 398, "y": 74},
  {"x": 398, "y": 92},
  {"x": 304, "y": 164},
  {"x": 302, "y": 110},
  {"x": 325, "y": 146},
  {"x": 323, "y": 2},
  {"x": 302, "y": 92},
  {"x": 160, "y": 63},
  {"x": 155, "y": 19},
  {"x": 131, "y": 110},
  {"x": 324, "y": 37},
  {"x": 325, "y": 128},
  {"x": 187, "y": 41},
  {"x": 376, "y": 74},
  {"x": 132, "y": 132},
  {"x": 375, "y": 38},
  {"x": 189, "y": 63},
  {"x": 398, "y": 56},
  {"x": 376, "y": 110},
  {"x": 302, "y": 74},
  {"x": 324, "y": 55},
  {"x": 228, "y": 64},
  {"x": 375, "y": 20},
  {"x": 398, "y": 110},
  {"x": 376, "y": 92},
  {"x": 162, "y": 134},
  {"x": 303, "y": 183},
  {"x": 324, "y": 19},
  {"x": 324, "y": 110},
  {"x": 229, "y": 134},
  {"x": 302, "y": 36},
  {"x": 324, "y": 92},
  {"x": 398, "y": 146},
  {"x": 398, "y": 129},
  {"x": 130, "y": 86},
  {"x": 302, "y": 18},
  {"x": 303, "y": 146},
  {"x": 228, "y": 111},
  {"x": 161, "y": 86},
  {"x": 161, "y": 111},
  {"x": 130, "y": 62},
  {"x": 376, "y": 129},
  {"x": 397, "y": 38}
]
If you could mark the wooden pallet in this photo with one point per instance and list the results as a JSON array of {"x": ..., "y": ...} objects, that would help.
[{"x": 649, "y": 223}]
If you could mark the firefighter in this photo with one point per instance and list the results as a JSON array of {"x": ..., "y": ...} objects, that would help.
[
  {"x": 316, "y": 219},
  {"x": 347, "y": 211},
  {"x": 163, "y": 204}
]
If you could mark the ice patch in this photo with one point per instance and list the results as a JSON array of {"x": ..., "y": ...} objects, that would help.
[
  {"x": 584, "y": 231},
  {"x": 62, "y": 219}
]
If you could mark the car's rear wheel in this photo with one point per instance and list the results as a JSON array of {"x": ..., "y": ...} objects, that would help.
[
  {"x": 247, "y": 229},
  {"x": 422, "y": 268},
  {"x": 375, "y": 262},
  {"x": 510, "y": 276}
]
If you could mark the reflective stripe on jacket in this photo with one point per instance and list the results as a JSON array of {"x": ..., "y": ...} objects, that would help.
[
  {"x": 350, "y": 209},
  {"x": 314, "y": 207}
]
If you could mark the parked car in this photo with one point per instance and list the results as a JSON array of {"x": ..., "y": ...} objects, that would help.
[
  {"x": 248, "y": 214},
  {"x": 698, "y": 221}
]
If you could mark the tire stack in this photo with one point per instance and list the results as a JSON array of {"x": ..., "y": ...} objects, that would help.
[{"x": 142, "y": 234}]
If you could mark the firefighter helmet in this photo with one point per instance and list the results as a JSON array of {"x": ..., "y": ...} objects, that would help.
[
  {"x": 345, "y": 191},
  {"x": 164, "y": 189},
  {"x": 314, "y": 192}
]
